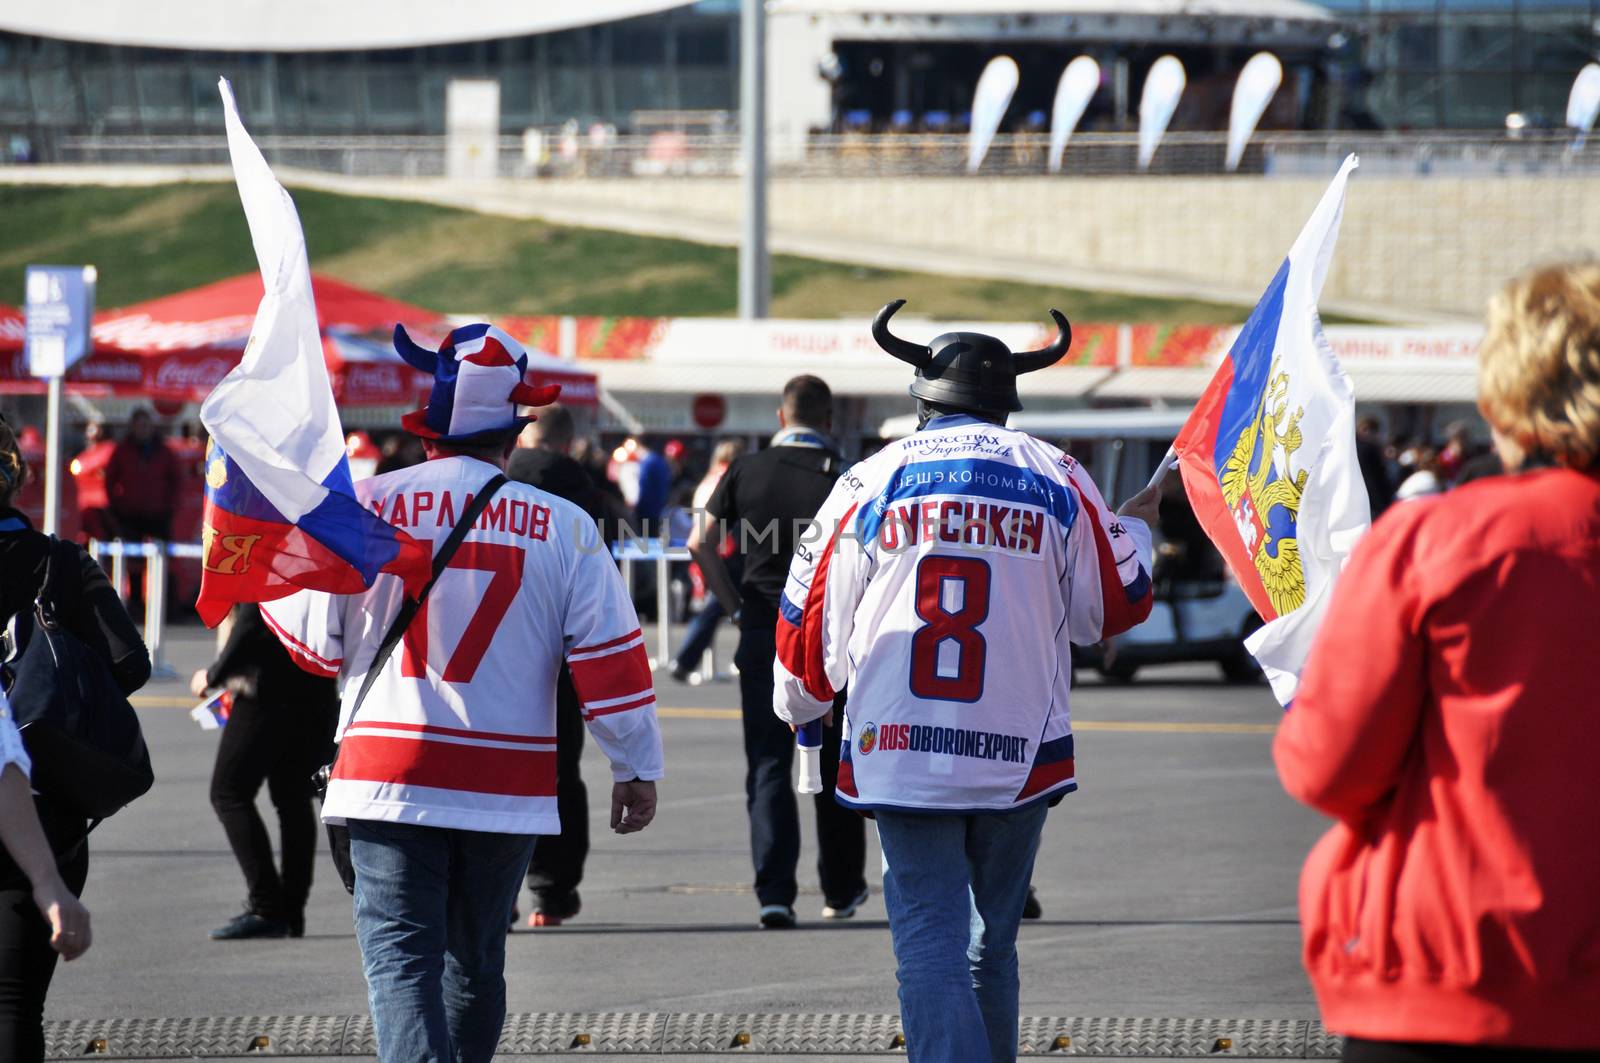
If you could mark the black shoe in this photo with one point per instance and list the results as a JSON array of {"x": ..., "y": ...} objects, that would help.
[
  {"x": 1031, "y": 908},
  {"x": 297, "y": 924},
  {"x": 777, "y": 917},
  {"x": 846, "y": 909},
  {"x": 250, "y": 925},
  {"x": 680, "y": 674}
]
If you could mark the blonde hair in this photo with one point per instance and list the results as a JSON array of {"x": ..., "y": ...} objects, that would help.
[
  {"x": 727, "y": 451},
  {"x": 13, "y": 466},
  {"x": 1539, "y": 367}
]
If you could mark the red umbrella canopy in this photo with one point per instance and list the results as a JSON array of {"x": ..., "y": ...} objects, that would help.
[
  {"x": 181, "y": 345},
  {"x": 220, "y": 315},
  {"x": 177, "y": 347},
  {"x": 12, "y": 329}
]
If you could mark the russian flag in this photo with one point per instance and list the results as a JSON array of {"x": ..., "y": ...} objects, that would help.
[
  {"x": 212, "y": 713},
  {"x": 1268, "y": 456},
  {"x": 281, "y": 512}
]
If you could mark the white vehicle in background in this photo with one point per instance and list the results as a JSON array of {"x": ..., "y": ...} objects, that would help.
[{"x": 1200, "y": 613}]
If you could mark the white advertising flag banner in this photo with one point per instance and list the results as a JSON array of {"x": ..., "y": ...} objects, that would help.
[
  {"x": 1162, "y": 88},
  {"x": 1258, "y": 83},
  {"x": 1073, "y": 92},
  {"x": 1584, "y": 102},
  {"x": 995, "y": 88}
]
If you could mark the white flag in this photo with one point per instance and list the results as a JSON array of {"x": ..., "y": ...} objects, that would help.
[{"x": 281, "y": 512}]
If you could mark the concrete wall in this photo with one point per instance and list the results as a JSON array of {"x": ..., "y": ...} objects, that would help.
[{"x": 1409, "y": 248}]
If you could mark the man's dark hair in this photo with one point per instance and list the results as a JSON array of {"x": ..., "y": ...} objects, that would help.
[
  {"x": 555, "y": 427},
  {"x": 807, "y": 401},
  {"x": 489, "y": 448}
]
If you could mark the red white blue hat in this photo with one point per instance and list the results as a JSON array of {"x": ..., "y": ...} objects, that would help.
[{"x": 477, "y": 385}]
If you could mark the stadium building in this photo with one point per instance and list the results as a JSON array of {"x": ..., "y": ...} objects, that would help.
[
  {"x": 102, "y": 67},
  {"x": 105, "y": 68}
]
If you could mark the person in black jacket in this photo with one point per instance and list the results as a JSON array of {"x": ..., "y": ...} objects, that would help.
[
  {"x": 542, "y": 459},
  {"x": 279, "y": 731},
  {"x": 766, "y": 501},
  {"x": 97, "y": 617}
]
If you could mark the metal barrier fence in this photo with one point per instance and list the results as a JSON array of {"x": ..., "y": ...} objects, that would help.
[
  {"x": 629, "y": 552},
  {"x": 660, "y": 556},
  {"x": 155, "y": 587},
  {"x": 867, "y": 155}
]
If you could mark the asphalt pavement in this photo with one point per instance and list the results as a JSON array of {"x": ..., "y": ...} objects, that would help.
[{"x": 1168, "y": 883}]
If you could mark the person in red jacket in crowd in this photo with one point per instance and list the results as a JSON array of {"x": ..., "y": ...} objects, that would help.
[
  {"x": 142, "y": 482},
  {"x": 89, "y": 471},
  {"x": 1448, "y": 720}
]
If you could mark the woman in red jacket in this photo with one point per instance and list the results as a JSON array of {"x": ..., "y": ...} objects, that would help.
[{"x": 1449, "y": 719}]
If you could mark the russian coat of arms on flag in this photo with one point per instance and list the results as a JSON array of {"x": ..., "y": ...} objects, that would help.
[{"x": 1268, "y": 455}]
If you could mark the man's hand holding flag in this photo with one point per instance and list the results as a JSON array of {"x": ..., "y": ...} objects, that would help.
[
  {"x": 1268, "y": 455},
  {"x": 281, "y": 512}
]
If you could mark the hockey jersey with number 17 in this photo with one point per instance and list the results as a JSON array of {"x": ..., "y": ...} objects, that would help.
[
  {"x": 944, "y": 582},
  {"x": 459, "y": 729}
]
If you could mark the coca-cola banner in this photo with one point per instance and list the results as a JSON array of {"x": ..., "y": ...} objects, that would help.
[
  {"x": 183, "y": 376},
  {"x": 13, "y": 329}
]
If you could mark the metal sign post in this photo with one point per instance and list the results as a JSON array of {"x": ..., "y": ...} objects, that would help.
[
  {"x": 60, "y": 309},
  {"x": 755, "y": 281}
]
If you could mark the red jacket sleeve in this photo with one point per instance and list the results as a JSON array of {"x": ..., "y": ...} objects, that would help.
[{"x": 1355, "y": 716}]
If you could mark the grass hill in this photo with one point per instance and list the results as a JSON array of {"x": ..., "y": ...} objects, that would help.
[{"x": 153, "y": 241}]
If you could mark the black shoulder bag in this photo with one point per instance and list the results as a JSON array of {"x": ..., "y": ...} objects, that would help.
[
  {"x": 339, "y": 834},
  {"x": 81, "y": 733}
]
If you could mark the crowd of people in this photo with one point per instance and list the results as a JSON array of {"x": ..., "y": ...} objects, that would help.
[
  {"x": 1449, "y": 914},
  {"x": 1408, "y": 467}
]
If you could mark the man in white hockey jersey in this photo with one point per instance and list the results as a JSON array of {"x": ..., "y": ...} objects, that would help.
[
  {"x": 447, "y": 771},
  {"x": 947, "y": 578}
]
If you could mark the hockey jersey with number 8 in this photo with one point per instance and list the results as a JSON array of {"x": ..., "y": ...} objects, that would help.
[
  {"x": 944, "y": 581},
  {"x": 459, "y": 728}
]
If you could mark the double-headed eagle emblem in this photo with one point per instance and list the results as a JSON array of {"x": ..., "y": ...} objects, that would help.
[
  {"x": 216, "y": 467},
  {"x": 1262, "y": 491}
]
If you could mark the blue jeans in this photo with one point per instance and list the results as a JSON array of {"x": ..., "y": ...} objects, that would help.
[
  {"x": 431, "y": 910},
  {"x": 954, "y": 886},
  {"x": 702, "y": 629}
]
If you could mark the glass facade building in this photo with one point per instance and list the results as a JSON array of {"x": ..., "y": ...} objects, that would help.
[
  {"x": 1462, "y": 64},
  {"x": 1390, "y": 64},
  {"x": 686, "y": 59}
]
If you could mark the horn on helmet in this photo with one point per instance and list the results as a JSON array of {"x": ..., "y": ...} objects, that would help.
[
  {"x": 1028, "y": 361},
  {"x": 905, "y": 350}
]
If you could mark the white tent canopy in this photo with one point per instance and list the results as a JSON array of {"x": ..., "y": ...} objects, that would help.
[{"x": 308, "y": 25}]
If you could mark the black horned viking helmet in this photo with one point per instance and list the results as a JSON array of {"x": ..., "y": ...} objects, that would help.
[{"x": 968, "y": 369}]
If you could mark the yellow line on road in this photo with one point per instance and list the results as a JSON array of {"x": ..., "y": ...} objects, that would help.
[
  {"x": 1175, "y": 727},
  {"x": 162, "y": 701},
  {"x": 167, "y": 701}
]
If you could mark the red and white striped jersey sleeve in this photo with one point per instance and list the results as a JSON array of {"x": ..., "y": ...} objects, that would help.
[
  {"x": 610, "y": 669},
  {"x": 310, "y": 624},
  {"x": 1107, "y": 576}
]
